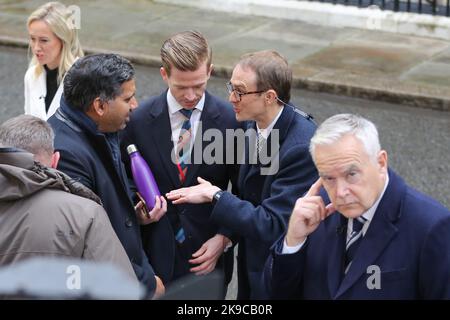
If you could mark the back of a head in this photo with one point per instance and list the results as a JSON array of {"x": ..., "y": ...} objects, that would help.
[
  {"x": 185, "y": 51},
  {"x": 272, "y": 72},
  {"x": 99, "y": 75},
  {"x": 29, "y": 133},
  {"x": 61, "y": 22},
  {"x": 340, "y": 125},
  {"x": 48, "y": 277}
]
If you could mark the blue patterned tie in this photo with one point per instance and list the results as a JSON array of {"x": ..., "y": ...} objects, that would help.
[
  {"x": 183, "y": 144},
  {"x": 354, "y": 241},
  {"x": 183, "y": 153}
]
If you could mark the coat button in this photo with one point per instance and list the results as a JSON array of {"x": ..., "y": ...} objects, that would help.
[{"x": 128, "y": 223}]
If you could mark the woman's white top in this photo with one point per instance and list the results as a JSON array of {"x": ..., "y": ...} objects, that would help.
[{"x": 35, "y": 91}]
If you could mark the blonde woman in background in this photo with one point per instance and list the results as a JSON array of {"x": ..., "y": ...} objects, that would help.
[{"x": 53, "y": 41}]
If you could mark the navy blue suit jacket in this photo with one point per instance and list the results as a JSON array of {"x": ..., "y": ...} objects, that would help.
[
  {"x": 150, "y": 130},
  {"x": 86, "y": 157},
  {"x": 408, "y": 240},
  {"x": 261, "y": 212}
]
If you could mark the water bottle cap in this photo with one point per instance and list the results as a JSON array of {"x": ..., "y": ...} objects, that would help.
[{"x": 131, "y": 148}]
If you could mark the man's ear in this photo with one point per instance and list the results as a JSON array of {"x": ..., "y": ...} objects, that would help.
[
  {"x": 270, "y": 96},
  {"x": 99, "y": 107},
  {"x": 383, "y": 161},
  {"x": 211, "y": 68},
  {"x": 55, "y": 159},
  {"x": 164, "y": 74}
]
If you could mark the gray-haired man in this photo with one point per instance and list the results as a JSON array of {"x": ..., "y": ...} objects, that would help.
[{"x": 388, "y": 242}]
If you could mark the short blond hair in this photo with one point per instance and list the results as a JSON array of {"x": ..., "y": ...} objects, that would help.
[
  {"x": 185, "y": 51},
  {"x": 59, "y": 20}
]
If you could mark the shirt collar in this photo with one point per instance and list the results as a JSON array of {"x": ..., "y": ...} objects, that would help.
[
  {"x": 174, "y": 106},
  {"x": 266, "y": 132}
]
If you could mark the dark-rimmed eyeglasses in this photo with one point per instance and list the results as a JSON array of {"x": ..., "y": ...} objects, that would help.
[{"x": 238, "y": 94}]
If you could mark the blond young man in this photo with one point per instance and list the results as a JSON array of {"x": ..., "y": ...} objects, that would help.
[{"x": 184, "y": 241}]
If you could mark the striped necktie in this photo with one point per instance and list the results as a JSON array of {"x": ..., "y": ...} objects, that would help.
[
  {"x": 183, "y": 145},
  {"x": 260, "y": 142},
  {"x": 354, "y": 241},
  {"x": 183, "y": 153}
]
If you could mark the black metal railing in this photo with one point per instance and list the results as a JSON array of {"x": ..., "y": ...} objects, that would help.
[{"x": 433, "y": 7}]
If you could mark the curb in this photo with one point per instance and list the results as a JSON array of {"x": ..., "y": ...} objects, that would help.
[
  {"x": 392, "y": 96},
  {"x": 331, "y": 15},
  {"x": 410, "y": 99}
]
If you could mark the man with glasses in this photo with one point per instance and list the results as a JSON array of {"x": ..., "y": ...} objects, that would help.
[
  {"x": 164, "y": 129},
  {"x": 259, "y": 91}
]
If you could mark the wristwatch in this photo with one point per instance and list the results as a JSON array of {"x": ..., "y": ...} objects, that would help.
[{"x": 217, "y": 196}]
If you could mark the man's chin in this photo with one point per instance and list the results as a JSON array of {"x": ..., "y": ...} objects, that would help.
[
  {"x": 353, "y": 210},
  {"x": 240, "y": 117},
  {"x": 189, "y": 106}
]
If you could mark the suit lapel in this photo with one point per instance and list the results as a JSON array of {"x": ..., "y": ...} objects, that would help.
[
  {"x": 380, "y": 233},
  {"x": 250, "y": 167},
  {"x": 161, "y": 133},
  {"x": 282, "y": 126},
  {"x": 40, "y": 91},
  {"x": 56, "y": 100},
  {"x": 245, "y": 166},
  {"x": 336, "y": 236}
]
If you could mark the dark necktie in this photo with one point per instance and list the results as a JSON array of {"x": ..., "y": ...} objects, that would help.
[
  {"x": 183, "y": 154},
  {"x": 354, "y": 241},
  {"x": 183, "y": 145}
]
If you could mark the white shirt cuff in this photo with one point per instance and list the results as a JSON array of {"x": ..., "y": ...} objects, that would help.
[
  {"x": 228, "y": 246},
  {"x": 289, "y": 250}
]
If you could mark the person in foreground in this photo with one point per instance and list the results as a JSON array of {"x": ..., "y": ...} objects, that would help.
[
  {"x": 377, "y": 239},
  {"x": 42, "y": 211}
]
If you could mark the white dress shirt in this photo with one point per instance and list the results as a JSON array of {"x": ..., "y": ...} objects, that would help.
[
  {"x": 177, "y": 118},
  {"x": 266, "y": 132}
]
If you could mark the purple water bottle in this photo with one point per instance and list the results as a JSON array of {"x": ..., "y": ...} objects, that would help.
[{"x": 143, "y": 177}]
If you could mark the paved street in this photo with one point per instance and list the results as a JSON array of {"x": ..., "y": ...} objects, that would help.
[{"x": 359, "y": 63}]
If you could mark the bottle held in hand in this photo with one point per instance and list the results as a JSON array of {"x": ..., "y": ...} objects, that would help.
[{"x": 143, "y": 177}]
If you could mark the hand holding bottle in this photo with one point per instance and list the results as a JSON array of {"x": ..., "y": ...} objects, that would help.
[{"x": 144, "y": 216}]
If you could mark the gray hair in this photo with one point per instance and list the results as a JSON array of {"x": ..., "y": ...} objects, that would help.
[
  {"x": 29, "y": 133},
  {"x": 337, "y": 126}
]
